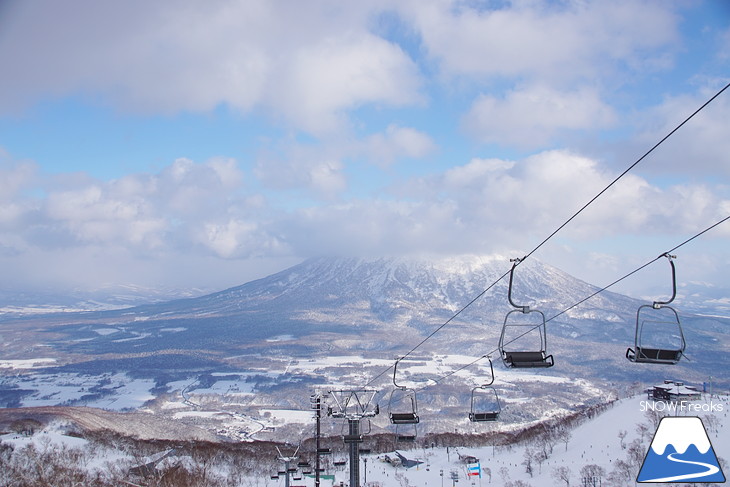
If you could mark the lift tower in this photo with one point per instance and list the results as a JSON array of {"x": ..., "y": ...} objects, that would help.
[
  {"x": 287, "y": 462},
  {"x": 354, "y": 405}
]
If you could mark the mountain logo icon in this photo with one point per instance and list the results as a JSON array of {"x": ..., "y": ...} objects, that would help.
[{"x": 680, "y": 452}]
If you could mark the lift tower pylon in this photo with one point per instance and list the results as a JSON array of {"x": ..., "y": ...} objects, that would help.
[
  {"x": 354, "y": 405},
  {"x": 287, "y": 459}
]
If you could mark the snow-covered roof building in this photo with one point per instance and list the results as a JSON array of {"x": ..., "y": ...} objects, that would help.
[{"x": 674, "y": 391}]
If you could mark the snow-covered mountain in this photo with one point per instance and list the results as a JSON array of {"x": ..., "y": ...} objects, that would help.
[
  {"x": 373, "y": 308},
  {"x": 350, "y": 305},
  {"x": 416, "y": 291}
]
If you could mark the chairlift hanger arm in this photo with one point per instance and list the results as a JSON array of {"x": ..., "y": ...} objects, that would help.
[
  {"x": 491, "y": 370},
  {"x": 670, "y": 258},
  {"x": 395, "y": 371},
  {"x": 515, "y": 263}
]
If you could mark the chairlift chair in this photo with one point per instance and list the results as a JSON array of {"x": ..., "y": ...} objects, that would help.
[
  {"x": 402, "y": 406},
  {"x": 478, "y": 414},
  {"x": 518, "y": 358},
  {"x": 651, "y": 347}
]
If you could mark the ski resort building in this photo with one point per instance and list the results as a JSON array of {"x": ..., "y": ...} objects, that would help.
[{"x": 672, "y": 391}]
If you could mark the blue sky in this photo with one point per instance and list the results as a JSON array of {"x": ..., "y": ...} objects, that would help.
[{"x": 203, "y": 144}]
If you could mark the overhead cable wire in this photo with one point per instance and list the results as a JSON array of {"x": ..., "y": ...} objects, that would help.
[
  {"x": 563, "y": 225},
  {"x": 438, "y": 380}
]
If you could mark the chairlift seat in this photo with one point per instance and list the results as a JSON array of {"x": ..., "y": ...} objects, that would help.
[
  {"x": 484, "y": 416},
  {"x": 406, "y": 438},
  {"x": 523, "y": 360},
  {"x": 654, "y": 355},
  {"x": 404, "y": 418},
  {"x": 352, "y": 438}
]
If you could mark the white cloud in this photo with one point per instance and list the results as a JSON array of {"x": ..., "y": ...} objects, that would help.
[
  {"x": 180, "y": 207},
  {"x": 236, "y": 238},
  {"x": 324, "y": 79},
  {"x": 492, "y": 205},
  {"x": 316, "y": 172},
  {"x": 556, "y": 41},
  {"x": 532, "y": 116},
  {"x": 308, "y": 62},
  {"x": 700, "y": 147},
  {"x": 396, "y": 142}
]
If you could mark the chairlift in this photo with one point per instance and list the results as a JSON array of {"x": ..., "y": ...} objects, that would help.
[
  {"x": 485, "y": 395},
  {"x": 667, "y": 345},
  {"x": 519, "y": 357},
  {"x": 402, "y": 406}
]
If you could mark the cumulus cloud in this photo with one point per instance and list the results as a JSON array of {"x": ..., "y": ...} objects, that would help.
[
  {"x": 699, "y": 148},
  {"x": 307, "y": 63},
  {"x": 305, "y": 169},
  {"x": 531, "y": 117},
  {"x": 397, "y": 142},
  {"x": 559, "y": 41},
  {"x": 326, "y": 78},
  {"x": 493, "y": 205},
  {"x": 187, "y": 204}
]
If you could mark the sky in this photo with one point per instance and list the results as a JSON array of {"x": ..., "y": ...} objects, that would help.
[{"x": 201, "y": 145}]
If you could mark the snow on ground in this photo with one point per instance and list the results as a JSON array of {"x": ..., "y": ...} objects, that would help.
[
  {"x": 105, "y": 331},
  {"x": 26, "y": 363},
  {"x": 50, "y": 437},
  {"x": 115, "y": 392},
  {"x": 279, "y": 416}
]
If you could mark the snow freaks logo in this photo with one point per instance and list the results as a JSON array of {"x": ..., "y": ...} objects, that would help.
[
  {"x": 680, "y": 452},
  {"x": 683, "y": 407}
]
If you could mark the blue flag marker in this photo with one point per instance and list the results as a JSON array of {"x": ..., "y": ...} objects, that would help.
[{"x": 680, "y": 452}]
